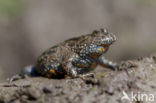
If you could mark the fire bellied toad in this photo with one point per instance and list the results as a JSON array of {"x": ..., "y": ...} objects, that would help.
[{"x": 75, "y": 56}]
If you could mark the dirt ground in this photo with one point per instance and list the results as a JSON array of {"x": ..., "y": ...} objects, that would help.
[{"x": 107, "y": 86}]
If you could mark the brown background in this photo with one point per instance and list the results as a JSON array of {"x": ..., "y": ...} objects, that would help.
[{"x": 28, "y": 27}]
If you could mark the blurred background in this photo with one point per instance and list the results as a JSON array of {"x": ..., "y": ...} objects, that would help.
[{"x": 28, "y": 27}]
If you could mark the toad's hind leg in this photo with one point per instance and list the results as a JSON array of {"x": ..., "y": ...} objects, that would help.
[
  {"x": 29, "y": 71},
  {"x": 77, "y": 71},
  {"x": 56, "y": 72}
]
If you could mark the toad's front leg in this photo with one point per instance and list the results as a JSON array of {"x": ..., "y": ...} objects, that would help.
[{"x": 106, "y": 63}]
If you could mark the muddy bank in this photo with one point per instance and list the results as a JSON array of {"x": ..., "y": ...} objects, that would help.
[{"x": 137, "y": 76}]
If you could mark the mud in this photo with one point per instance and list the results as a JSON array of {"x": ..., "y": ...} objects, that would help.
[{"x": 107, "y": 86}]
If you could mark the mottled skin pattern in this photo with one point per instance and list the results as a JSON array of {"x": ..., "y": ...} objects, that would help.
[
  {"x": 76, "y": 56},
  {"x": 73, "y": 57}
]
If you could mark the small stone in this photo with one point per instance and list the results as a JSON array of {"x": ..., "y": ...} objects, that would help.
[
  {"x": 33, "y": 93},
  {"x": 154, "y": 58},
  {"x": 140, "y": 58},
  {"x": 46, "y": 90}
]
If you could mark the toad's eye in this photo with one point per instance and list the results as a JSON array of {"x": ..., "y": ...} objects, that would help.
[
  {"x": 104, "y": 31},
  {"x": 96, "y": 32}
]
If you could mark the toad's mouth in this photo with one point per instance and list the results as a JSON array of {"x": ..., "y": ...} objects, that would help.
[{"x": 109, "y": 39}]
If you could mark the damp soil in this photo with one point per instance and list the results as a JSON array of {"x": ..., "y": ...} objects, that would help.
[{"x": 106, "y": 86}]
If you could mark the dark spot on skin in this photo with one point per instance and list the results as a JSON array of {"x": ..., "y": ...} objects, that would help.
[
  {"x": 82, "y": 41},
  {"x": 71, "y": 44}
]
